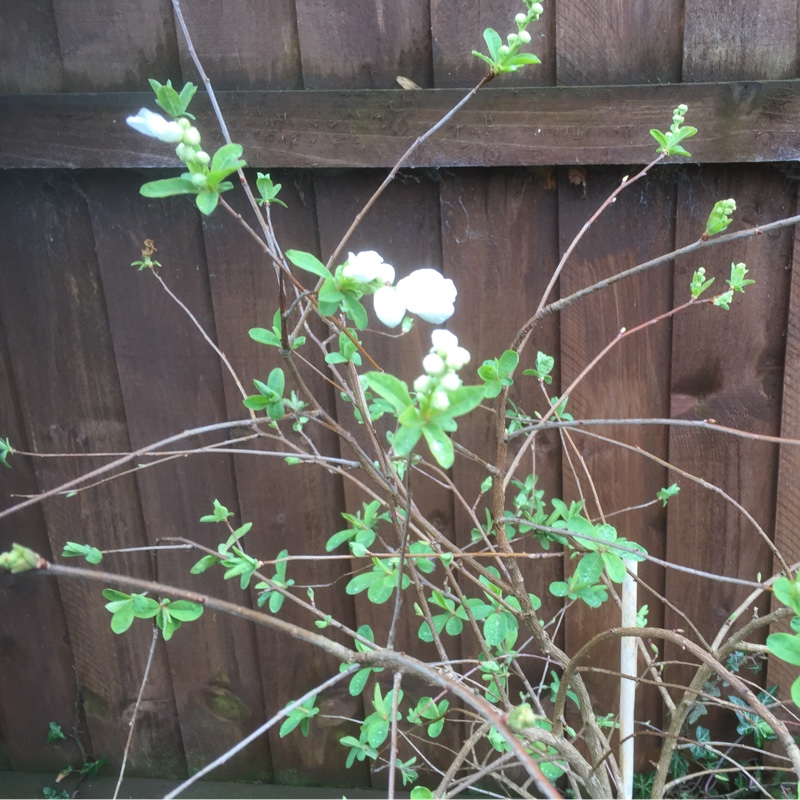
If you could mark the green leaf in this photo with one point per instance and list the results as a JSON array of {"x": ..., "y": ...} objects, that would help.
[
  {"x": 463, "y": 400},
  {"x": 91, "y": 554},
  {"x": 185, "y": 610},
  {"x": 203, "y": 564},
  {"x": 309, "y": 263},
  {"x": 263, "y": 336},
  {"x": 122, "y": 619},
  {"x": 440, "y": 445},
  {"x": 55, "y": 734},
  {"x": 390, "y": 388},
  {"x": 785, "y": 646},
  {"x": 207, "y": 202},
  {"x": 168, "y": 187},
  {"x": 405, "y": 439},
  {"x": 5, "y": 451},
  {"x": 356, "y": 311},
  {"x": 493, "y": 42},
  {"x": 421, "y": 793}
]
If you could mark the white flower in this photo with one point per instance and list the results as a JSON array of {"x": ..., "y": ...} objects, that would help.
[
  {"x": 152, "y": 124},
  {"x": 389, "y": 308},
  {"x": 429, "y": 295},
  {"x": 368, "y": 266},
  {"x": 450, "y": 382},
  {"x": 425, "y": 292},
  {"x": 446, "y": 345},
  {"x": 443, "y": 341},
  {"x": 433, "y": 364},
  {"x": 440, "y": 401}
]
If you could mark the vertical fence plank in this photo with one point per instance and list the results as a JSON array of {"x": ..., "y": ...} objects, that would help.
[
  {"x": 409, "y": 205},
  {"x": 632, "y": 381},
  {"x": 245, "y": 45},
  {"x": 457, "y": 30},
  {"x": 71, "y": 403},
  {"x": 500, "y": 247},
  {"x": 729, "y": 41},
  {"x": 301, "y": 508},
  {"x": 727, "y": 366},
  {"x": 787, "y": 507},
  {"x": 30, "y": 60},
  {"x": 364, "y": 44},
  {"x": 116, "y": 46},
  {"x": 171, "y": 381},
  {"x": 626, "y": 41},
  {"x": 37, "y": 683}
]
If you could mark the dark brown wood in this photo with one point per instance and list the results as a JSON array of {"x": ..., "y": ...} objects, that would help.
[
  {"x": 632, "y": 381},
  {"x": 457, "y": 29},
  {"x": 244, "y": 45},
  {"x": 116, "y": 47},
  {"x": 500, "y": 248},
  {"x": 30, "y": 60},
  {"x": 738, "y": 122},
  {"x": 404, "y": 228},
  {"x": 37, "y": 683},
  {"x": 727, "y": 366},
  {"x": 57, "y": 336},
  {"x": 300, "y": 509},
  {"x": 170, "y": 379},
  {"x": 727, "y": 40},
  {"x": 364, "y": 44},
  {"x": 618, "y": 42},
  {"x": 787, "y": 506}
]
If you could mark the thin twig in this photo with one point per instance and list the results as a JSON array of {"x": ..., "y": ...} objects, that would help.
[
  {"x": 131, "y": 724},
  {"x": 390, "y": 177},
  {"x": 260, "y": 731}
]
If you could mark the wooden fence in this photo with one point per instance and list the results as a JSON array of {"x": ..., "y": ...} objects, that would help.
[{"x": 96, "y": 358}]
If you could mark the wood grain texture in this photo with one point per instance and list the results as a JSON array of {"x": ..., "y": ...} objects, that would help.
[
  {"x": 500, "y": 247},
  {"x": 37, "y": 683},
  {"x": 621, "y": 41},
  {"x": 245, "y": 44},
  {"x": 30, "y": 61},
  {"x": 364, "y": 44},
  {"x": 116, "y": 46},
  {"x": 787, "y": 508},
  {"x": 404, "y": 228},
  {"x": 738, "y": 122},
  {"x": 632, "y": 381},
  {"x": 457, "y": 29},
  {"x": 733, "y": 41},
  {"x": 295, "y": 508},
  {"x": 727, "y": 366},
  {"x": 171, "y": 380},
  {"x": 55, "y": 321}
]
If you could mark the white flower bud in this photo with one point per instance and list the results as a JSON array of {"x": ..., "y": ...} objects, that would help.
[
  {"x": 525, "y": 37},
  {"x": 192, "y": 137},
  {"x": 538, "y": 9},
  {"x": 201, "y": 157},
  {"x": 512, "y": 39},
  {"x": 443, "y": 341},
  {"x": 450, "y": 382},
  {"x": 199, "y": 180},
  {"x": 504, "y": 51},
  {"x": 521, "y": 18},
  {"x": 440, "y": 401},
  {"x": 433, "y": 364},
  {"x": 368, "y": 266},
  {"x": 458, "y": 357},
  {"x": 423, "y": 384}
]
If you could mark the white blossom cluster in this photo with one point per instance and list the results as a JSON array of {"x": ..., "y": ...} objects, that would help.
[
  {"x": 425, "y": 292},
  {"x": 441, "y": 365}
]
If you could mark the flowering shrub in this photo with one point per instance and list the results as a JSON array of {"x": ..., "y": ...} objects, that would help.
[{"x": 518, "y": 725}]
